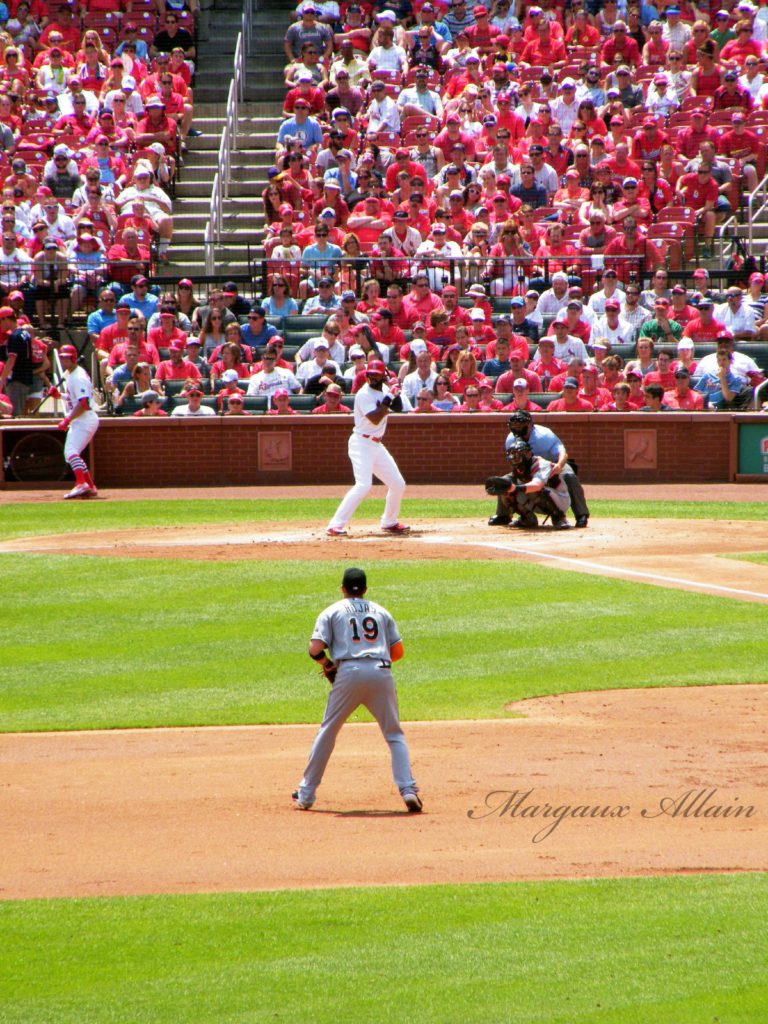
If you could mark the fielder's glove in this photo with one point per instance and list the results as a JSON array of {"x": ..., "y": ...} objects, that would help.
[
  {"x": 329, "y": 671},
  {"x": 497, "y": 485}
]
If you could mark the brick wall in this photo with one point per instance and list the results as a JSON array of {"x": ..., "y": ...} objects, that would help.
[{"x": 438, "y": 449}]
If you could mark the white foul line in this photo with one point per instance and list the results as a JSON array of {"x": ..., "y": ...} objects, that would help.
[{"x": 693, "y": 584}]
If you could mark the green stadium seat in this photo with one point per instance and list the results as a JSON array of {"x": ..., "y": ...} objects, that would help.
[
  {"x": 255, "y": 404},
  {"x": 303, "y": 403}
]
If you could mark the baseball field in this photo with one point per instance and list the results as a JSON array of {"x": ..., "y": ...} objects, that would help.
[{"x": 586, "y": 713}]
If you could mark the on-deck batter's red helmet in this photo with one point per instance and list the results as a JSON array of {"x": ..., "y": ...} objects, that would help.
[
  {"x": 69, "y": 351},
  {"x": 376, "y": 366}
]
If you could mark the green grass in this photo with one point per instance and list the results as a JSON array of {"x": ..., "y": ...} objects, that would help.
[
  {"x": 97, "y": 643},
  {"x": 682, "y": 950},
  {"x": 25, "y": 519},
  {"x": 761, "y": 557}
]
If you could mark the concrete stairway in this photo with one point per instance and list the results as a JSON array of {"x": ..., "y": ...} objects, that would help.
[{"x": 259, "y": 121}]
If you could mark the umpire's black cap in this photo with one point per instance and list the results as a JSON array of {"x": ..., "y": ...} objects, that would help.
[{"x": 354, "y": 581}]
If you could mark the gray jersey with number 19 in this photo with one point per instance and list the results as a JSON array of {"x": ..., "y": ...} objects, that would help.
[{"x": 356, "y": 628}]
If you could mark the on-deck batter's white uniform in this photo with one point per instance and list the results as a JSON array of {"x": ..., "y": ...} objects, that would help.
[
  {"x": 81, "y": 430},
  {"x": 370, "y": 458}
]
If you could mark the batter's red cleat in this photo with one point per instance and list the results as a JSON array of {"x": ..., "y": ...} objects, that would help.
[
  {"x": 78, "y": 491},
  {"x": 398, "y": 530},
  {"x": 334, "y": 531}
]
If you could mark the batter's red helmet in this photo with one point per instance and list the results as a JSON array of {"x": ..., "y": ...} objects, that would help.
[
  {"x": 376, "y": 366},
  {"x": 69, "y": 351}
]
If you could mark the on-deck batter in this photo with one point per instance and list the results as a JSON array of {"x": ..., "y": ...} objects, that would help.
[
  {"x": 80, "y": 423},
  {"x": 369, "y": 457},
  {"x": 363, "y": 641}
]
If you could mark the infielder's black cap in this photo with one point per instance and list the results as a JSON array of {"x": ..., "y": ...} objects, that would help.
[{"x": 354, "y": 581}]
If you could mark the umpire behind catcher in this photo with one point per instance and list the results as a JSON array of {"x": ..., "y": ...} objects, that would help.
[
  {"x": 546, "y": 445},
  {"x": 363, "y": 641}
]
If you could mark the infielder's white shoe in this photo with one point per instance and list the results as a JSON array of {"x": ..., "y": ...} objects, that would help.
[
  {"x": 78, "y": 491},
  {"x": 335, "y": 531},
  {"x": 412, "y": 802},
  {"x": 298, "y": 803}
]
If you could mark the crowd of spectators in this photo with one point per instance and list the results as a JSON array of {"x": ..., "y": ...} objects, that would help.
[
  {"x": 620, "y": 350},
  {"x": 95, "y": 108},
  {"x": 434, "y": 151}
]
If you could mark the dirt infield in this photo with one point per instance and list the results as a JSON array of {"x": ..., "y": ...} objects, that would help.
[
  {"x": 677, "y": 553},
  {"x": 650, "y": 781},
  {"x": 208, "y": 810}
]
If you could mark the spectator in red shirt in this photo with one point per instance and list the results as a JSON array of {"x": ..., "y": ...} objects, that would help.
[
  {"x": 620, "y": 164},
  {"x": 571, "y": 402},
  {"x": 598, "y": 397},
  {"x": 544, "y": 364},
  {"x": 737, "y": 50},
  {"x": 743, "y": 145},
  {"x": 730, "y": 94},
  {"x": 688, "y": 140},
  {"x": 482, "y": 34},
  {"x": 699, "y": 191},
  {"x": 452, "y": 134},
  {"x": 703, "y": 327},
  {"x": 517, "y": 371},
  {"x": 663, "y": 374},
  {"x": 155, "y": 126},
  {"x": 421, "y": 301},
  {"x": 647, "y": 143},
  {"x": 176, "y": 367},
  {"x": 305, "y": 89},
  {"x": 621, "y": 48},
  {"x": 632, "y": 243},
  {"x": 681, "y": 396},
  {"x": 332, "y": 403},
  {"x": 521, "y": 398},
  {"x": 168, "y": 331},
  {"x": 126, "y": 258},
  {"x": 545, "y": 49}
]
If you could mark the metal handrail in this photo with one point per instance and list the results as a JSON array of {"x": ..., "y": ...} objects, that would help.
[
  {"x": 228, "y": 144},
  {"x": 210, "y": 266},
  {"x": 752, "y": 213},
  {"x": 215, "y": 216},
  {"x": 249, "y": 9}
]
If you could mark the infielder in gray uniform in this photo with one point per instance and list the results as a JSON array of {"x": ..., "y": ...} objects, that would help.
[{"x": 363, "y": 641}]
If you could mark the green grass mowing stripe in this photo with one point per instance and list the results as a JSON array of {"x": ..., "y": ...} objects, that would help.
[
  {"x": 100, "y": 643},
  {"x": 761, "y": 557},
  {"x": 24, "y": 519},
  {"x": 677, "y": 950}
]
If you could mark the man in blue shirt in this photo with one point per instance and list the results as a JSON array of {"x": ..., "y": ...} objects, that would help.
[
  {"x": 140, "y": 297},
  {"x": 546, "y": 445},
  {"x": 322, "y": 258},
  {"x": 257, "y": 332},
  {"x": 458, "y": 17},
  {"x": 528, "y": 192},
  {"x": 300, "y": 127},
  {"x": 102, "y": 317}
]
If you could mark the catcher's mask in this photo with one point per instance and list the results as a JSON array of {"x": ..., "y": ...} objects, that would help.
[
  {"x": 519, "y": 421},
  {"x": 519, "y": 452}
]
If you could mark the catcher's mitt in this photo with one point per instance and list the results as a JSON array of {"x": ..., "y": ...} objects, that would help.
[
  {"x": 329, "y": 671},
  {"x": 497, "y": 485}
]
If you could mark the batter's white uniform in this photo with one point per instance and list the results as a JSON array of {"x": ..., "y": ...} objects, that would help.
[
  {"x": 82, "y": 429},
  {"x": 370, "y": 458}
]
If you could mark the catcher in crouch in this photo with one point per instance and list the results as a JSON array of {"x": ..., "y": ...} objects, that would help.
[{"x": 532, "y": 486}]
